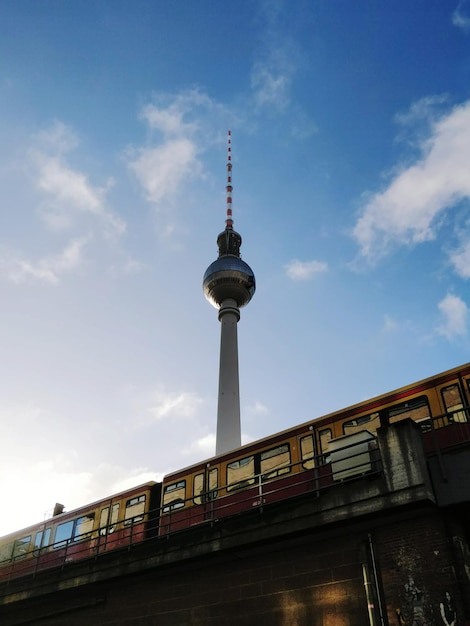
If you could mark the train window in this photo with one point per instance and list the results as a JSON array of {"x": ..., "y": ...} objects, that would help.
[
  {"x": 83, "y": 527},
  {"x": 174, "y": 496},
  {"x": 205, "y": 486},
  {"x": 198, "y": 488},
  {"x": 275, "y": 462},
  {"x": 21, "y": 547},
  {"x": 415, "y": 408},
  {"x": 107, "y": 524},
  {"x": 135, "y": 509},
  {"x": 358, "y": 423},
  {"x": 307, "y": 452},
  {"x": 63, "y": 534},
  {"x": 213, "y": 483},
  {"x": 240, "y": 473},
  {"x": 42, "y": 539},
  {"x": 453, "y": 403},
  {"x": 325, "y": 438}
]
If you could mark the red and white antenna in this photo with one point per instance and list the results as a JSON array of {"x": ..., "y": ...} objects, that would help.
[{"x": 229, "y": 220}]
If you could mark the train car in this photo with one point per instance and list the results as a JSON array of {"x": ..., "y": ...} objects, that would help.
[
  {"x": 307, "y": 457},
  {"x": 120, "y": 520}
]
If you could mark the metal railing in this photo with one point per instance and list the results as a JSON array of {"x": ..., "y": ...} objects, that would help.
[
  {"x": 309, "y": 476},
  {"x": 449, "y": 430}
]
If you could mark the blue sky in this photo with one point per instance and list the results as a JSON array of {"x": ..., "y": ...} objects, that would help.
[{"x": 351, "y": 157}]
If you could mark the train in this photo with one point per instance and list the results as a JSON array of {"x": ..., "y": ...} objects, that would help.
[{"x": 311, "y": 456}]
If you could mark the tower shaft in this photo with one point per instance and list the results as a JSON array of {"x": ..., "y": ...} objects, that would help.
[{"x": 228, "y": 408}]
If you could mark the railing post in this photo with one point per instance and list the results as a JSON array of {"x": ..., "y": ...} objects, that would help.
[{"x": 260, "y": 492}]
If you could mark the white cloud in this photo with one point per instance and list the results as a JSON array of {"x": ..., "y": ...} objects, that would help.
[
  {"x": 18, "y": 269},
  {"x": 168, "y": 404},
  {"x": 302, "y": 126},
  {"x": 274, "y": 70},
  {"x": 132, "y": 266},
  {"x": 390, "y": 325},
  {"x": 167, "y": 120},
  {"x": 425, "y": 108},
  {"x": 460, "y": 17},
  {"x": 258, "y": 408},
  {"x": 56, "y": 480},
  {"x": 271, "y": 85},
  {"x": 460, "y": 259},
  {"x": 161, "y": 170},
  {"x": 57, "y": 138},
  {"x": 304, "y": 270},
  {"x": 203, "y": 448},
  {"x": 407, "y": 211},
  {"x": 170, "y": 162},
  {"x": 132, "y": 478},
  {"x": 68, "y": 191},
  {"x": 455, "y": 314},
  {"x": 46, "y": 485},
  {"x": 169, "y": 112}
]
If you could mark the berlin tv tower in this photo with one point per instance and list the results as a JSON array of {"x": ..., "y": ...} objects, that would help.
[{"x": 229, "y": 284}]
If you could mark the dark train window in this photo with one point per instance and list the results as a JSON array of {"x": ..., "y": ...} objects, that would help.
[
  {"x": 307, "y": 452},
  {"x": 240, "y": 473},
  {"x": 415, "y": 408},
  {"x": 174, "y": 496},
  {"x": 135, "y": 509},
  {"x": 453, "y": 403},
  {"x": 364, "y": 422},
  {"x": 275, "y": 462},
  {"x": 206, "y": 492},
  {"x": 21, "y": 547}
]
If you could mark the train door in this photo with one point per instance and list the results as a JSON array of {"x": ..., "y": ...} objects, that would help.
[
  {"x": 205, "y": 491},
  {"x": 314, "y": 456},
  {"x": 108, "y": 521}
]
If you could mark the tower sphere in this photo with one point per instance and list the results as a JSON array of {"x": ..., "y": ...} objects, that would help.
[{"x": 229, "y": 278}]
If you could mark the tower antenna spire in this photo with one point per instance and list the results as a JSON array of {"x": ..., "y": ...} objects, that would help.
[{"x": 229, "y": 188}]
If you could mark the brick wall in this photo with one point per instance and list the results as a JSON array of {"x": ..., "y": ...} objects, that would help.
[
  {"x": 416, "y": 564},
  {"x": 304, "y": 581},
  {"x": 313, "y": 579}
]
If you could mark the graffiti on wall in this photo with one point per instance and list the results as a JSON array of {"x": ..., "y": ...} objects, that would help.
[
  {"x": 414, "y": 604},
  {"x": 415, "y": 611}
]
